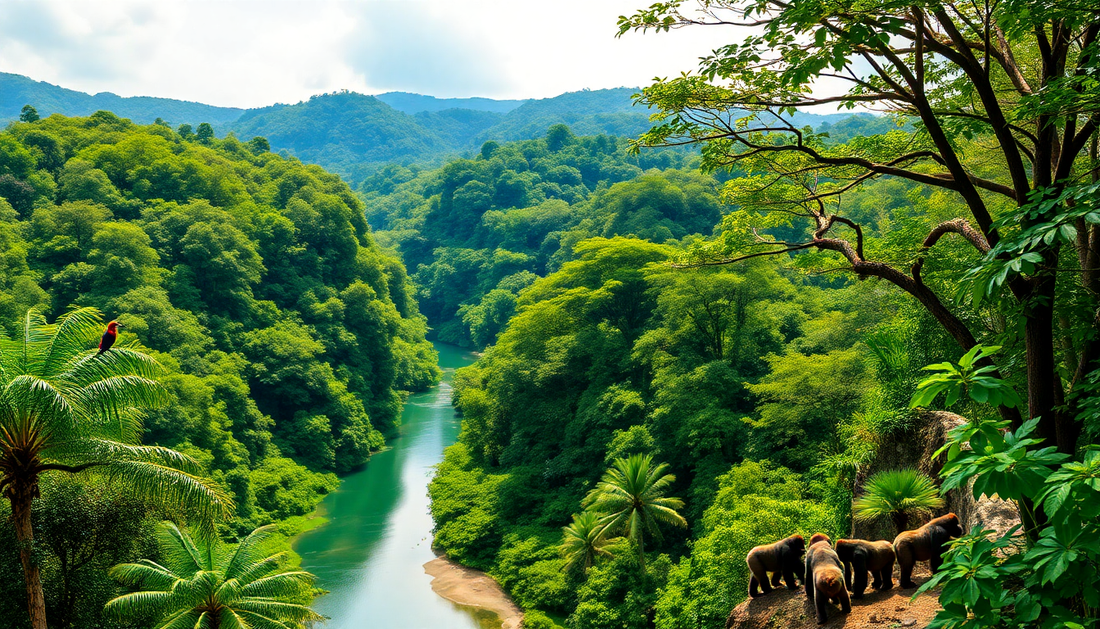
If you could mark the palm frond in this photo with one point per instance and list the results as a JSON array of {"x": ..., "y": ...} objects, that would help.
[
  {"x": 228, "y": 591},
  {"x": 89, "y": 367},
  {"x": 258, "y": 621},
  {"x": 198, "y": 497},
  {"x": 181, "y": 619},
  {"x": 40, "y": 397},
  {"x": 256, "y": 599},
  {"x": 144, "y": 573},
  {"x": 228, "y": 619},
  {"x": 180, "y": 549},
  {"x": 280, "y": 585},
  {"x": 242, "y": 557},
  {"x": 261, "y": 568},
  {"x": 138, "y": 604},
  {"x": 113, "y": 400},
  {"x": 277, "y": 609},
  {"x": 108, "y": 451},
  {"x": 898, "y": 491},
  {"x": 73, "y": 332},
  {"x": 630, "y": 495}
]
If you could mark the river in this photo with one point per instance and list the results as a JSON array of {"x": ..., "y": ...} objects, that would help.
[{"x": 369, "y": 556}]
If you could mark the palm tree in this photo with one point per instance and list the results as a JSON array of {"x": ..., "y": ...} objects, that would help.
[
  {"x": 209, "y": 585},
  {"x": 584, "y": 541},
  {"x": 63, "y": 409},
  {"x": 897, "y": 494},
  {"x": 631, "y": 495}
]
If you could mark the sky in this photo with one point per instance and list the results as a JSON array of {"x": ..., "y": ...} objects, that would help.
[{"x": 250, "y": 53}]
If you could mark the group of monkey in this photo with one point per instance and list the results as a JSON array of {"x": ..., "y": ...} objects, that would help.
[{"x": 828, "y": 573}]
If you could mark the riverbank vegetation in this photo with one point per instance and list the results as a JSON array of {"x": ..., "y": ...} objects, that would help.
[
  {"x": 283, "y": 338},
  {"x": 770, "y": 364}
]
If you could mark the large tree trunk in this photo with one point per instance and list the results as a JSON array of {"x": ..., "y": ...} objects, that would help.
[{"x": 22, "y": 495}]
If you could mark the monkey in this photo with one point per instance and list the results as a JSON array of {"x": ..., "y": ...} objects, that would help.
[
  {"x": 824, "y": 580},
  {"x": 859, "y": 557},
  {"x": 925, "y": 544},
  {"x": 783, "y": 559}
]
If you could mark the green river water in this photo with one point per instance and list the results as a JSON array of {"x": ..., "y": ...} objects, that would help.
[{"x": 369, "y": 556}]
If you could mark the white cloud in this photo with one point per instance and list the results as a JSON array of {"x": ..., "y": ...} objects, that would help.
[{"x": 251, "y": 53}]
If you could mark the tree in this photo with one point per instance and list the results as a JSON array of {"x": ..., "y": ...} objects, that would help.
[
  {"x": 83, "y": 528},
  {"x": 558, "y": 137},
  {"x": 205, "y": 133},
  {"x": 631, "y": 497},
  {"x": 28, "y": 114},
  {"x": 185, "y": 131},
  {"x": 897, "y": 494},
  {"x": 584, "y": 541},
  {"x": 1011, "y": 74},
  {"x": 259, "y": 144},
  {"x": 65, "y": 410},
  {"x": 19, "y": 194},
  {"x": 207, "y": 584}
]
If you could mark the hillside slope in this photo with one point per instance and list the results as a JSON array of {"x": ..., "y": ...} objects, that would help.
[{"x": 342, "y": 130}]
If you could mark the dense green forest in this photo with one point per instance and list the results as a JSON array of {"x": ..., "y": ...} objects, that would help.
[
  {"x": 749, "y": 381},
  {"x": 477, "y": 231},
  {"x": 743, "y": 382},
  {"x": 707, "y": 321},
  {"x": 287, "y": 338}
]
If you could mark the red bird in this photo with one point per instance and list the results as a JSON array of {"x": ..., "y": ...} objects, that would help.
[{"x": 108, "y": 338}]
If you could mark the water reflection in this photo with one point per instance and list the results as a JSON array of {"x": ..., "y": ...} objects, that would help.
[{"x": 370, "y": 554}]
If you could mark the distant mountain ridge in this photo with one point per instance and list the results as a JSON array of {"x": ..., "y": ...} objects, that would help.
[
  {"x": 415, "y": 103},
  {"x": 17, "y": 90},
  {"x": 353, "y": 134}
]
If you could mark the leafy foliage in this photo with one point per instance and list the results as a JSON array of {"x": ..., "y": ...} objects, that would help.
[
  {"x": 478, "y": 231},
  {"x": 204, "y": 583},
  {"x": 616, "y": 359},
  {"x": 756, "y": 503},
  {"x": 966, "y": 378},
  {"x": 584, "y": 541},
  {"x": 1043, "y": 575},
  {"x": 248, "y": 287},
  {"x": 630, "y": 497},
  {"x": 898, "y": 495}
]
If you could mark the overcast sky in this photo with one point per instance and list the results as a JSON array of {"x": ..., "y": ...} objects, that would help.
[{"x": 249, "y": 53}]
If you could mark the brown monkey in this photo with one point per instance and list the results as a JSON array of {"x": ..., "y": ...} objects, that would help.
[
  {"x": 859, "y": 557},
  {"x": 824, "y": 580},
  {"x": 782, "y": 559},
  {"x": 925, "y": 544}
]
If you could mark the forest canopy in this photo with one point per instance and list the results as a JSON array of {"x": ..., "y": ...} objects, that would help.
[{"x": 287, "y": 338}]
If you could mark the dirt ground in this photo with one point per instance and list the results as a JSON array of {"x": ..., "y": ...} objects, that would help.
[
  {"x": 891, "y": 609},
  {"x": 473, "y": 588}
]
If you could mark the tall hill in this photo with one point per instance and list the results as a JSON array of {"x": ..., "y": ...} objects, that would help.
[
  {"x": 588, "y": 112},
  {"x": 17, "y": 90},
  {"x": 342, "y": 130}
]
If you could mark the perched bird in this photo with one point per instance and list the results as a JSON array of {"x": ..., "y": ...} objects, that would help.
[{"x": 109, "y": 336}]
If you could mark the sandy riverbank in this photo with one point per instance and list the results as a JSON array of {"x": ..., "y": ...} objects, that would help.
[{"x": 473, "y": 588}]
